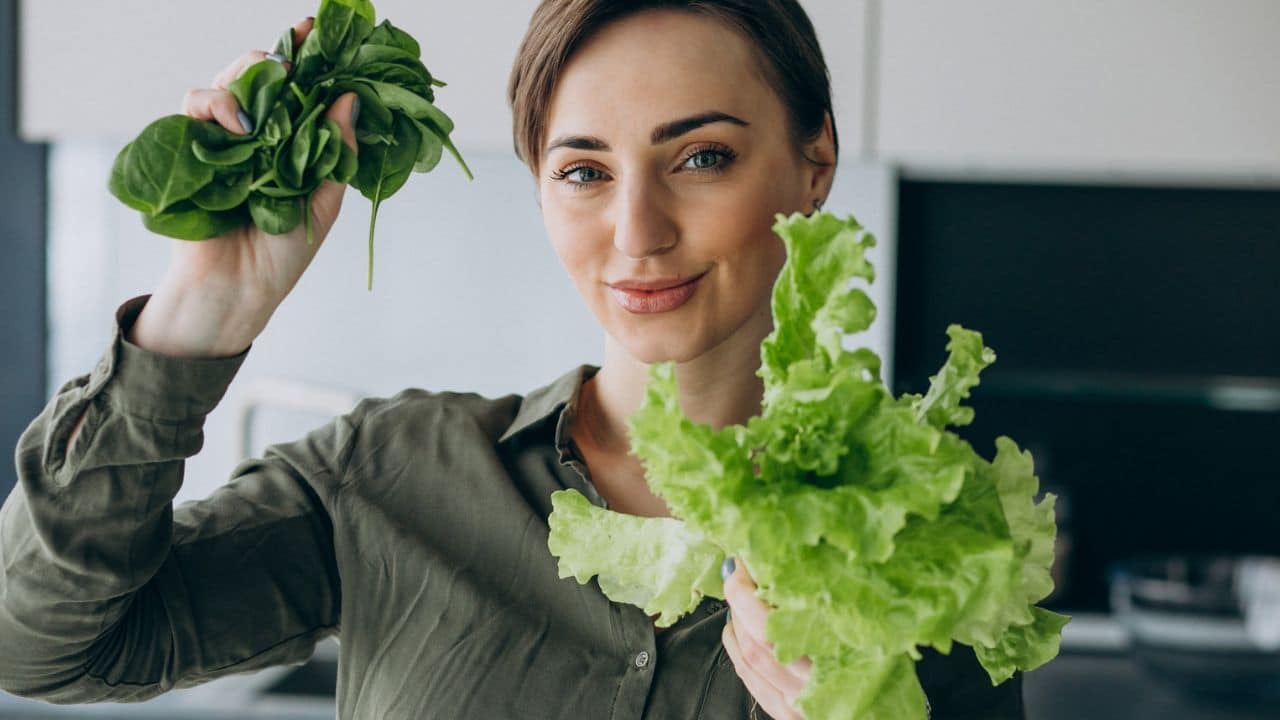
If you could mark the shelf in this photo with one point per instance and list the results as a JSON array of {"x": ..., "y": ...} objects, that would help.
[{"x": 1229, "y": 393}]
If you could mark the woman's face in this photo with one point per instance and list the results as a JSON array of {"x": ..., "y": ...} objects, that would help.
[{"x": 622, "y": 199}]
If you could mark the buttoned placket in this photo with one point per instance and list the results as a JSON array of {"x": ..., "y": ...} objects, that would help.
[{"x": 638, "y": 655}]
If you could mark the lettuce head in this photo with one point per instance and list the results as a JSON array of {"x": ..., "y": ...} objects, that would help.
[{"x": 870, "y": 528}]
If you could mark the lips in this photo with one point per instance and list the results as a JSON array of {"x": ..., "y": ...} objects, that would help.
[
  {"x": 658, "y": 284},
  {"x": 657, "y": 301}
]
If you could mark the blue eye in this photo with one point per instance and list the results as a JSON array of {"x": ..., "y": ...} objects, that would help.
[
  {"x": 703, "y": 160},
  {"x": 587, "y": 175},
  {"x": 715, "y": 159},
  {"x": 581, "y": 182}
]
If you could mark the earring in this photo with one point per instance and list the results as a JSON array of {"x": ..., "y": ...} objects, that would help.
[{"x": 817, "y": 204}]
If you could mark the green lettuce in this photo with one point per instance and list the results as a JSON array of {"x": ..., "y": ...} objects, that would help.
[{"x": 870, "y": 528}]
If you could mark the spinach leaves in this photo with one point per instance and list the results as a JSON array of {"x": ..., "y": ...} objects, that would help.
[{"x": 193, "y": 179}]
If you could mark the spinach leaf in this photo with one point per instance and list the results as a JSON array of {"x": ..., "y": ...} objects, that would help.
[
  {"x": 161, "y": 168},
  {"x": 284, "y": 46},
  {"x": 257, "y": 89},
  {"x": 384, "y": 169},
  {"x": 116, "y": 183},
  {"x": 278, "y": 128},
  {"x": 387, "y": 34},
  {"x": 369, "y": 53},
  {"x": 193, "y": 179},
  {"x": 311, "y": 61},
  {"x": 430, "y": 149},
  {"x": 397, "y": 74},
  {"x": 275, "y": 216},
  {"x": 231, "y": 155},
  {"x": 295, "y": 160},
  {"x": 186, "y": 221},
  {"x": 348, "y": 165},
  {"x": 342, "y": 25},
  {"x": 448, "y": 144},
  {"x": 398, "y": 98},
  {"x": 374, "y": 124},
  {"x": 330, "y": 143},
  {"x": 224, "y": 192}
]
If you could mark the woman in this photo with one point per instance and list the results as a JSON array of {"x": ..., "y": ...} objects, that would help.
[{"x": 663, "y": 137}]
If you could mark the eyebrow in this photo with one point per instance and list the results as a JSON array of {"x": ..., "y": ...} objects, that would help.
[{"x": 662, "y": 133}]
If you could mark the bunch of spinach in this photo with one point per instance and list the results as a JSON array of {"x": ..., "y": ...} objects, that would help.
[{"x": 194, "y": 180}]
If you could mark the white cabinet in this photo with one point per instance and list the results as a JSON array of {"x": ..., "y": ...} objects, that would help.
[
  {"x": 109, "y": 68},
  {"x": 1157, "y": 88}
]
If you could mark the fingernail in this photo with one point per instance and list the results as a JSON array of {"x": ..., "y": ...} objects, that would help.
[
  {"x": 245, "y": 121},
  {"x": 728, "y": 615},
  {"x": 355, "y": 110},
  {"x": 726, "y": 568},
  {"x": 277, "y": 57}
]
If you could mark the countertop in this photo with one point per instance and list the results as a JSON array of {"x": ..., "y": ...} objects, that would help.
[{"x": 1092, "y": 678}]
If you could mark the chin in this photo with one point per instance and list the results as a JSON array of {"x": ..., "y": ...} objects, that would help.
[{"x": 655, "y": 345}]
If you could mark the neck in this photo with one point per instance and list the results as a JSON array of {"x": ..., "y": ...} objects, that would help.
[{"x": 718, "y": 387}]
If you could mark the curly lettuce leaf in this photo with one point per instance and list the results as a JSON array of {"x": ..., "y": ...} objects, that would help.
[
  {"x": 870, "y": 529},
  {"x": 657, "y": 564},
  {"x": 941, "y": 405}
]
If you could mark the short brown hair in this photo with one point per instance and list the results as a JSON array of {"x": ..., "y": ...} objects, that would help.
[{"x": 779, "y": 31}]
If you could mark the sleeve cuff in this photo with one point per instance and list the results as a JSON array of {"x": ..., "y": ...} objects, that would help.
[{"x": 148, "y": 384}]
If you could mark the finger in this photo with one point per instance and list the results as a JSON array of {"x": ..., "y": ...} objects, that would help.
[
  {"x": 342, "y": 111},
  {"x": 327, "y": 199},
  {"x": 753, "y": 614},
  {"x": 301, "y": 29},
  {"x": 769, "y": 697},
  {"x": 238, "y": 66},
  {"x": 218, "y": 105},
  {"x": 760, "y": 656},
  {"x": 748, "y": 609}
]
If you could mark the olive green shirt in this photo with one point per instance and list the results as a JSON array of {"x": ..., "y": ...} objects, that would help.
[{"x": 414, "y": 528}]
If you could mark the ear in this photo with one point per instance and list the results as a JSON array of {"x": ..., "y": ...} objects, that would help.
[{"x": 823, "y": 150}]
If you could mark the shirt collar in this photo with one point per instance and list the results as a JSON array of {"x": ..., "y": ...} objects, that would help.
[{"x": 560, "y": 395}]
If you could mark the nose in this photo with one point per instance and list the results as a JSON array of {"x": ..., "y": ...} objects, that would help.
[{"x": 644, "y": 224}]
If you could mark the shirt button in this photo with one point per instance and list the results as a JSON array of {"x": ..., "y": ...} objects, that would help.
[{"x": 642, "y": 659}]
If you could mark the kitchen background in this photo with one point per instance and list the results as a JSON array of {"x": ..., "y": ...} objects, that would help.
[{"x": 1094, "y": 185}]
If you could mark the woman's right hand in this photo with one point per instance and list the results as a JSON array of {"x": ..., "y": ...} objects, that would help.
[{"x": 219, "y": 293}]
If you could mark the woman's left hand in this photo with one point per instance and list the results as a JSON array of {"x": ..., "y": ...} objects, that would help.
[{"x": 774, "y": 686}]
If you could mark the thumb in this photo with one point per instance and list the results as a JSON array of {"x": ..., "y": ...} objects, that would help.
[
  {"x": 326, "y": 202},
  {"x": 345, "y": 111}
]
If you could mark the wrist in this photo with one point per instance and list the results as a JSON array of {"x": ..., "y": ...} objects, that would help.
[{"x": 198, "y": 319}]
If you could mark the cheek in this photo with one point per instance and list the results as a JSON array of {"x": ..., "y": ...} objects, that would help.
[
  {"x": 577, "y": 248},
  {"x": 741, "y": 229}
]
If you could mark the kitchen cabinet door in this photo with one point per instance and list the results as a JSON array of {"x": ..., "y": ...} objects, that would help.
[
  {"x": 1156, "y": 88},
  {"x": 108, "y": 69}
]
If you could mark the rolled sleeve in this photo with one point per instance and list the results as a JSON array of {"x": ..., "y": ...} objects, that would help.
[{"x": 107, "y": 592}]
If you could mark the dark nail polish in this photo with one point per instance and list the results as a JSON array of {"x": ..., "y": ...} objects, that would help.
[
  {"x": 355, "y": 110},
  {"x": 245, "y": 121},
  {"x": 726, "y": 568}
]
